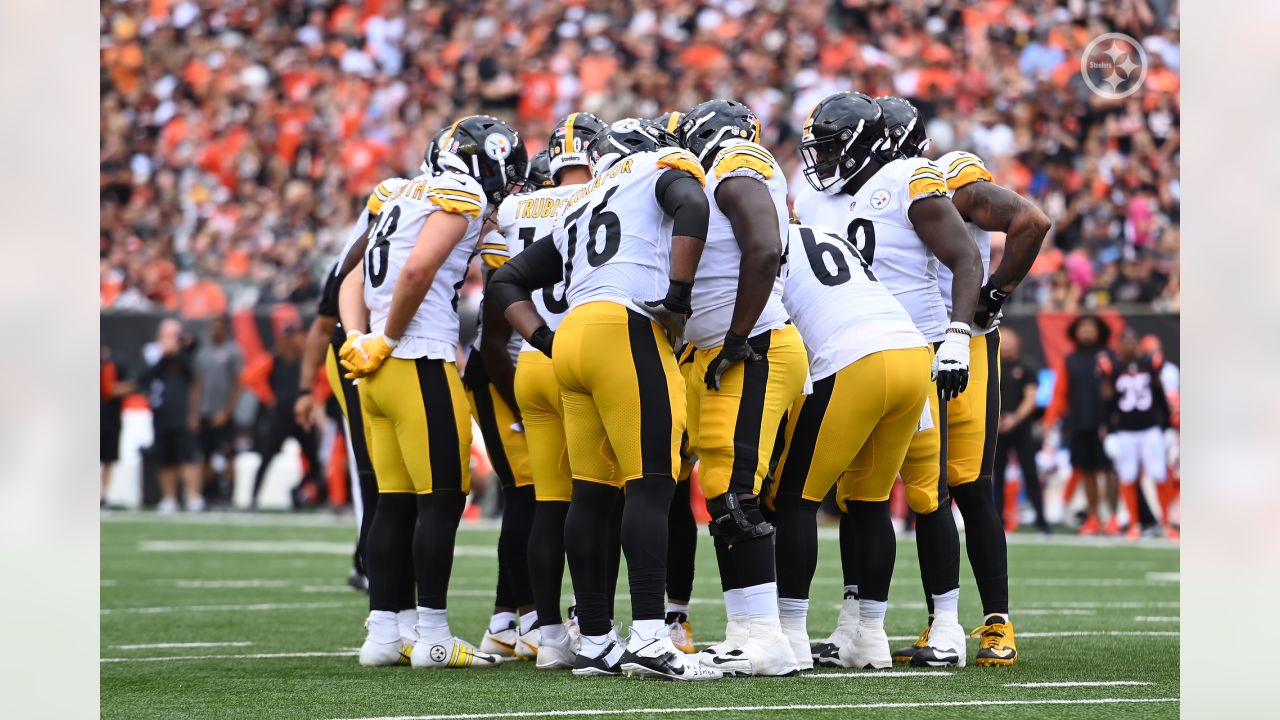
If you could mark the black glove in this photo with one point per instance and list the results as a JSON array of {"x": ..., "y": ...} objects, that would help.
[
  {"x": 673, "y": 311},
  {"x": 542, "y": 339},
  {"x": 990, "y": 300},
  {"x": 735, "y": 349}
]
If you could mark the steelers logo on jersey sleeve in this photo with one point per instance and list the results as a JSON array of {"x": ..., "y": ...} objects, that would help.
[{"x": 879, "y": 199}]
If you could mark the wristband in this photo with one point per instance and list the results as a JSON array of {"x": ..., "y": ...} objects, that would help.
[
  {"x": 391, "y": 342},
  {"x": 960, "y": 328},
  {"x": 733, "y": 339},
  {"x": 679, "y": 296}
]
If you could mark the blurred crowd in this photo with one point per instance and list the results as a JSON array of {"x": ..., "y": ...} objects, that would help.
[{"x": 239, "y": 137}]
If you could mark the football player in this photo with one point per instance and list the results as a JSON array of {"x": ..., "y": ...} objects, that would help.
[
  {"x": 419, "y": 424},
  {"x": 870, "y": 387},
  {"x": 972, "y": 418},
  {"x": 325, "y": 333},
  {"x": 522, "y": 219},
  {"x": 897, "y": 213},
  {"x": 1139, "y": 417},
  {"x": 635, "y": 232},
  {"x": 748, "y": 366}
]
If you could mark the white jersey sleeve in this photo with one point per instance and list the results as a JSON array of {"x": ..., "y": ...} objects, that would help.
[
  {"x": 716, "y": 290},
  {"x": 963, "y": 168},
  {"x": 614, "y": 236},
  {"x": 841, "y": 309},
  {"x": 433, "y": 330}
]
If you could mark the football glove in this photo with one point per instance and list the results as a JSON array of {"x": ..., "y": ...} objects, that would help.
[
  {"x": 735, "y": 349},
  {"x": 671, "y": 312},
  {"x": 368, "y": 352},
  {"x": 345, "y": 352},
  {"x": 542, "y": 339},
  {"x": 951, "y": 363},
  {"x": 990, "y": 301}
]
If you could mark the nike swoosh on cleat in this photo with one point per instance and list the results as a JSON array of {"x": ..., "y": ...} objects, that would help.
[{"x": 1003, "y": 654}]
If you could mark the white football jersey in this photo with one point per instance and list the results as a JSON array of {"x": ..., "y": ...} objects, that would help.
[
  {"x": 962, "y": 168},
  {"x": 875, "y": 220},
  {"x": 522, "y": 221},
  {"x": 842, "y": 311},
  {"x": 380, "y": 195},
  {"x": 614, "y": 237},
  {"x": 716, "y": 290},
  {"x": 433, "y": 331}
]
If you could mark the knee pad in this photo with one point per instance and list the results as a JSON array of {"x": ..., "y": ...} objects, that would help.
[{"x": 735, "y": 520}]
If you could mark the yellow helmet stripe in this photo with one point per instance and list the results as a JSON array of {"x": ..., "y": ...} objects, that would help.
[
  {"x": 568, "y": 132},
  {"x": 454, "y": 128},
  {"x": 674, "y": 120},
  {"x": 807, "y": 128}
]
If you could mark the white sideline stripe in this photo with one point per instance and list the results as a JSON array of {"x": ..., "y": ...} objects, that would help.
[
  {"x": 1157, "y": 618},
  {"x": 767, "y": 708},
  {"x": 222, "y": 584},
  {"x": 248, "y": 656},
  {"x": 1092, "y": 582},
  {"x": 1174, "y": 576},
  {"x": 1127, "y": 604},
  {"x": 875, "y": 674},
  {"x": 282, "y": 547},
  {"x": 1086, "y": 683},
  {"x": 106, "y": 583},
  {"x": 221, "y": 608},
  {"x": 158, "y": 646}
]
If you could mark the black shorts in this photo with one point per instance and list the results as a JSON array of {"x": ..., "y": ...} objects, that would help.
[
  {"x": 173, "y": 446},
  {"x": 109, "y": 444},
  {"x": 216, "y": 439},
  {"x": 1087, "y": 453}
]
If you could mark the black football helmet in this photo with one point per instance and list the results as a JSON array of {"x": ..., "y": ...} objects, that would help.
[
  {"x": 627, "y": 137},
  {"x": 905, "y": 127},
  {"x": 431, "y": 158},
  {"x": 570, "y": 139},
  {"x": 708, "y": 125},
  {"x": 488, "y": 150},
  {"x": 539, "y": 172},
  {"x": 840, "y": 136},
  {"x": 670, "y": 120}
]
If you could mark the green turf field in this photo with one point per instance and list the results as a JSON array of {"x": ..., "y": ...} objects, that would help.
[{"x": 249, "y": 617}]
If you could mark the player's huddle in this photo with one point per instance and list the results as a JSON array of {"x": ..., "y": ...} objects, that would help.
[{"x": 649, "y": 304}]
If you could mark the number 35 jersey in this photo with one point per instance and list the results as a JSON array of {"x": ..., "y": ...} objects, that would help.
[
  {"x": 613, "y": 235},
  {"x": 433, "y": 331},
  {"x": 875, "y": 220},
  {"x": 842, "y": 311},
  {"x": 716, "y": 290},
  {"x": 522, "y": 221}
]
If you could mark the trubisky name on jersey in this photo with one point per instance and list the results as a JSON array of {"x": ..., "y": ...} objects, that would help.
[{"x": 535, "y": 208}]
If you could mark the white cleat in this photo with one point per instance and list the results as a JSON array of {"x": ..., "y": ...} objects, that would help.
[
  {"x": 825, "y": 653},
  {"x": 769, "y": 649},
  {"x": 869, "y": 649},
  {"x": 527, "y": 644},
  {"x": 735, "y": 635},
  {"x": 388, "y": 654},
  {"x": 554, "y": 654},
  {"x": 501, "y": 643},
  {"x": 946, "y": 646},
  {"x": 452, "y": 652},
  {"x": 658, "y": 658},
  {"x": 797, "y": 631}
]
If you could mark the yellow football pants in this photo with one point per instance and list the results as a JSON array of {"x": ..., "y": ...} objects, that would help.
[
  {"x": 419, "y": 426},
  {"x": 857, "y": 425},
  {"x": 973, "y": 418},
  {"x": 733, "y": 430},
  {"x": 538, "y": 393},
  {"x": 507, "y": 447},
  {"x": 623, "y": 396}
]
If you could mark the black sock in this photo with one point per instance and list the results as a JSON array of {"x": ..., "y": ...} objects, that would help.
[
  {"x": 433, "y": 538},
  {"x": 587, "y": 520},
  {"x": 389, "y": 552},
  {"x": 938, "y": 547},
  {"x": 513, "y": 547},
  {"x": 796, "y": 520},
  {"x": 984, "y": 539},
  {"x": 644, "y": 540},
  {"x": 848, "y": 548},
  {"x": 682, "y": 544},
  {"x": 614, "y": 540},
  {"x": 546, "y": 559},
  {"x": 368, "y": 489},
  {"x": 877, "y": 547}
]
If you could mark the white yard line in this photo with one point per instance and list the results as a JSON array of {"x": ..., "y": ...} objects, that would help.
[
  {"x": 282, "y": 547},
  {"x": 247, "y": 656},
  {"x": 222, "y": 608},
  {"x": 875, "y": 674},
  {"x": 766, "y": 708},
  {"x": 1095, "y": 582},
  {"x": 229, "y": 584},
  {"x": 1087, "y": 683},
  {"x": 158, "y": 646},
  {"x": 1157, "y": 618}
]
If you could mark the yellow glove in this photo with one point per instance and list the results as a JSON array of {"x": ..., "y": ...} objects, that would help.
[
  {"x": 345, "y": 354},
  {"x": 369, "y": 351}
]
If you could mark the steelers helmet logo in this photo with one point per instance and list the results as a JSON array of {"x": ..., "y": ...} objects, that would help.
[
  {"x": 879, "y": 199},
  {"x": 438, "y": 652},
  {"x": 625, "y": 125},
  {"x": 498, "y": 147}
]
